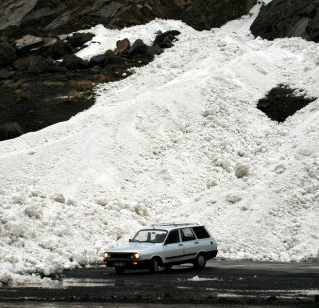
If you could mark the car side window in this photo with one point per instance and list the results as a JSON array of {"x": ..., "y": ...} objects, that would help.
[
  {"x": 201, "y": 232},
  {"x": 173, "y": 237},
  {"x": 187, "y": 235}
]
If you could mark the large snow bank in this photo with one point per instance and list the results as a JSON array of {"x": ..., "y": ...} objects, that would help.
[{"x": 166, "y": 145}]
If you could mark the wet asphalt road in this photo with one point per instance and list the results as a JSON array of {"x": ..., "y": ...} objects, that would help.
[
  {"x": 99, "y": 305},
  {"x": 221, "y": 283}
]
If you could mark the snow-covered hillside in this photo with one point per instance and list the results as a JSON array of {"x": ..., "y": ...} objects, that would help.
[{"x": 165, "y": 145}]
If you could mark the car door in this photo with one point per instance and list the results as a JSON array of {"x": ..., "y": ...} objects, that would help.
[
  {"x": 203, "y": 238},
  {"x": 173, "y": 248},
  {"x": 190, "y": 243}
]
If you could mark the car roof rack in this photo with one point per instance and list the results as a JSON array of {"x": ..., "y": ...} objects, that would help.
[{"x": 174, "y": 224}]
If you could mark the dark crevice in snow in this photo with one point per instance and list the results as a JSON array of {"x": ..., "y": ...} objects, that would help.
[{"x": 283, "y": 101}]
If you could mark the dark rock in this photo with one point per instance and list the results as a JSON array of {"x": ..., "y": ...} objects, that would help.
[
  {"x": 59, "y": 49},
  {"x": 79, "y": 39},
  {"x": 5, "y": 74},
  {"x": 115, "y": 60},
  {"x": 73, "y": 62},
  {"x": 112, "y": 59},
  {"x": 293, "y": 18},
  {"x": 28, "y": 42},
  {"x": 282, "y": 102},
  {"x": 47, "y": 46},
  {"x": 122, "y": 47},
  {"x": 154, "y": 50},
  {"x": 36, "y": 65},
  {"x": 10, "y": 130},
  {"x": 7, "y": 54},
  {"x": 138, "y": 48},
  {"x": 98, "y": 60},
  {"x": 166, "y": 39},
  {"x": 44, "y": 48},
  {"x": 204, "y": 14}
]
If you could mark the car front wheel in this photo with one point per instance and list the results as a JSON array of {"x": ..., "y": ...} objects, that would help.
[
  {"x": 155, "y": 265},
  {"x": 200, "y": 261}
]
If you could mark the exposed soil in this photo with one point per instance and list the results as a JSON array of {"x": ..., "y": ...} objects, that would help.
[{"x": 282, "y": 102}]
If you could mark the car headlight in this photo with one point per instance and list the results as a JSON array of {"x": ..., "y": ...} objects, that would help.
[
  {"x": 136, "y": 255},
  {"x": 106, "y": 255}
]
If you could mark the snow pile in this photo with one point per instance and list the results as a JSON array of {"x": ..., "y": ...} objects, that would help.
[{"x": 180, "y": 140}]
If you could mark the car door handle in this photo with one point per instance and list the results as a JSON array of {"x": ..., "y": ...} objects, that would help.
[
  {"x": 196, "y": 242},
  {"x": 180, "y": 244}
]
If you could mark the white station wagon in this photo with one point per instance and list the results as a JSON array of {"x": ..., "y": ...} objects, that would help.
[{"x": 164, "y": 245}]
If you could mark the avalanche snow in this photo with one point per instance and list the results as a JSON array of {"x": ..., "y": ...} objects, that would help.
[{"x": 166, "y": 144}]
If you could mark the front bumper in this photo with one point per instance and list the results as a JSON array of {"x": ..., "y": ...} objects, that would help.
[{"x": 132, "y": 264}]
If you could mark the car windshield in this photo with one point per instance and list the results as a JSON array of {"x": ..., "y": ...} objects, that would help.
[{"x": 150, "y": 236}]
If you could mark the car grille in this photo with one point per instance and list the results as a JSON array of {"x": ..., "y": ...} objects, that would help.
[{"x": 119, "y": 256}]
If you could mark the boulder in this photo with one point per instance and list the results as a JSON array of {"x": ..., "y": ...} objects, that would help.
[
  {"x": 293, "y": 18},
  {"x": 28, "y": 42},
  {"x": 166, "y": 39},
  {"x": 35, "y": 65},
  {"x": 207, "y": 14},
  {"x": 73, "y": 62},
  {"x": 113, "y": 59},
  {"x": 7, "y": 54},
  {"x": 154, "y": 50},
  {"x": 99, "y": 60},
  {"x": 138, "y": 48},
  {"x": 59, "y": 49},
  {"x": 77, "y": 40},
  {"x": 122, "y": 47}
]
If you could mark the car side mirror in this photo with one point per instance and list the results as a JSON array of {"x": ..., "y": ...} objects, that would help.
[{"x": 130, "y": 240}]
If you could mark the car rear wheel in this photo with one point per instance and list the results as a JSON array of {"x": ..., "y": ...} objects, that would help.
[
  {"x": 119, "y": 269},
  {"x": 155, "y": 265},
  {"x": 200, "y": 261}
]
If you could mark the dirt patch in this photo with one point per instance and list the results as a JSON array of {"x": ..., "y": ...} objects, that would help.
[{"x": 282, "y": 102}]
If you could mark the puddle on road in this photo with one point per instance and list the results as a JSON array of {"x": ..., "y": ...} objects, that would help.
[
  {"x": 69, "y": 283},
  {"x": 72, "y": 282}
]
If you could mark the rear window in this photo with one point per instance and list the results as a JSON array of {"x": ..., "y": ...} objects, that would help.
[
  {"x": 201, "y": 232},
  {"x": 187, "y": 235}
]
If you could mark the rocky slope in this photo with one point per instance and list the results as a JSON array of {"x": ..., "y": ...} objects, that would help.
[
  {"x": 58, "y": 16},
  {"x": 293, "y": 18},
  {"x": 38, "y": 90}
]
